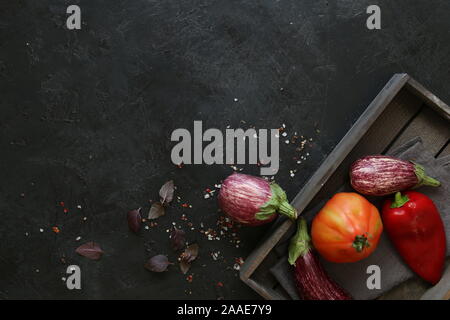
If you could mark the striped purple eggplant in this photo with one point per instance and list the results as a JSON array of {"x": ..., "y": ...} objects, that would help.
[
  {"x": 382, "y": 175},
  {"x": 253, "y": 201},
  {"x": 311, "y": 279}
]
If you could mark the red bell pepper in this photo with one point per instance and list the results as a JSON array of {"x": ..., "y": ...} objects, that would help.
[{"x": 415, "y": 227}]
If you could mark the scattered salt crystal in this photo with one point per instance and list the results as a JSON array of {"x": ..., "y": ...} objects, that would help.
[
  {"x": 207, "y": 196},
  {"x": 78, "y": 206},
  {"x": 284, "y": 134},
  {"x": 287, "y": 142},
  {"x": 146, "y": 227},
  {"x": 41, "y": 230},
  {"x": 236, "y": 99},
  {"x": 78, "y": 238},
  {"x": 236, "y": 266}
]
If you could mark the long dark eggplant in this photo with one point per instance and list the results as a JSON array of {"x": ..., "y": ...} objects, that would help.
[{"x": 311, "y": 279}]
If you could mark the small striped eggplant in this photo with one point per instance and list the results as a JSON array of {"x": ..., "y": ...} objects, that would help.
[
  {"x": 311, "y": 279},
  {"x": 253, "y": 201},
  {"x": 382, "y": 175}
]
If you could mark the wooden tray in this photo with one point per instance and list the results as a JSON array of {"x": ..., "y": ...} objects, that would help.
[{"x": 402, "y": 110}]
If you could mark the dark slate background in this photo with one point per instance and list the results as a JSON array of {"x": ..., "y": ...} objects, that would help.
[{"x": 86, "y": 118}]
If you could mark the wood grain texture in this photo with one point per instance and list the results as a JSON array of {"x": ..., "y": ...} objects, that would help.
[{"x": 431, "y": 127}]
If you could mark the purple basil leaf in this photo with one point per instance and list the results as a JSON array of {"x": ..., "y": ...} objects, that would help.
[
  {"x": 166, "y": 192},
  {"x": 184, "y": 266},
  {"x": 186, "y": 258},
  {"x": 157, "y": 263},
  {"x": 134, "y": 220},
  {"x": 90, "y": 250},
  {"x": 177, "y": 239},
  {"x": 157, "y": 210},
  {"x": 190, "y": 253}
]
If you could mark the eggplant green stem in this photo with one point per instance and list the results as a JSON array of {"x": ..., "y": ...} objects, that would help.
[
  {"x": 300, "y": 242},
  {"x": 424, "y": 180},
  {"x": 289, "y": 211},
  {"x": 277, "y": 203}
]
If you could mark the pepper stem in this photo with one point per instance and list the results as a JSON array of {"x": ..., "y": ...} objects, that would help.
[
  {"x": 300, "y": 242},
  {"x": 399, "y": 200},
  {"x": 360, "y": 243},
  {"x": 424, "y": 180}
]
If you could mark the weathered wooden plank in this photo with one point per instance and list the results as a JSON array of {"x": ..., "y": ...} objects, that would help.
[
  {"x": 431, "y": 127},
  {"x": 445, "y": 151},
  {"x": 266, "y": 292},
  {"x": 429, "y": 98}
]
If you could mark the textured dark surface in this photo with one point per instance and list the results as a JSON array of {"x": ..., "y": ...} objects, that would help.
[{"x": 86, "y": 118}]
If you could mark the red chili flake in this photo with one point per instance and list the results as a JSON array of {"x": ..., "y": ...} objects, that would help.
[
  {"x": 208, "y": 190},
  {"x": 220, "y": 284},
  {"x": 56, "y": 230},
  {"x": 185, "y": 205},
  {"x": 189, "y": 278},
  {"x": 62, "y": 204},
  {"x": 239, "y": 261},
  {"x": 66, "y": 210}
]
